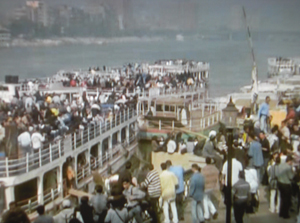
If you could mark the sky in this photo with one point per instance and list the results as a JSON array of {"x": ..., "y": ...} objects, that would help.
[{"x": 262, "y": 15}]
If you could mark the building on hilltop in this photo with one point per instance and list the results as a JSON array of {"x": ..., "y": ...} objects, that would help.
[{"x": 38, "y": 12}]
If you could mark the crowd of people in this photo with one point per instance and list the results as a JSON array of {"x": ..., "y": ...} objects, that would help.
[
  {"x": 137, "y": 76},
  {"x": 30, "y": 121},
  {"x": 122, "y": 198},
  {"x": 262, "y": 155}
]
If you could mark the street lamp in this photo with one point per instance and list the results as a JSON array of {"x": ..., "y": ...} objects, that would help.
[{"x": 229, "y": 119}]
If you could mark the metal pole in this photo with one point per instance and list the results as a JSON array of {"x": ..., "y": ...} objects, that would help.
[{"x": 229, "y": 171}]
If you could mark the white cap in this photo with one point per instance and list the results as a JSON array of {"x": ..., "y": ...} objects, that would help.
[
  {"x": 212, "y": 133},
  {"x": 66, "y": 203},
  {"x": 30, "y": 128}
]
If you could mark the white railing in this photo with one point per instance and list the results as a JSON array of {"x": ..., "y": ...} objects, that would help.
[
  {"x": 55, "y": 150},
  {"x": 47, "y": 154},
  {"x": 101, "y": 161},
  {"x": 206, "y": 121},
  {"x": 209, "y": 107},
  {"x": 187, "y": 90},
  {"x": 49, "y": 195},
  {"x": 198, "y": 124},
  {"x": 29, "y": 205}
]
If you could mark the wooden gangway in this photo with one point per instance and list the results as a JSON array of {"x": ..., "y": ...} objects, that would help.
[{"x": 79, "y": 193}]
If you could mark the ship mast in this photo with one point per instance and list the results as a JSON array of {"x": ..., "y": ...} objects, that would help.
[{"x": 254, "y": 72}]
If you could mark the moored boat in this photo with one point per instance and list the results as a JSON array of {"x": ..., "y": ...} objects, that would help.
[{"x": 70, "y": 160}]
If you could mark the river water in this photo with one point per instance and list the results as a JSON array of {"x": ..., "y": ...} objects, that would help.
[{"x": 230, "y": 60}]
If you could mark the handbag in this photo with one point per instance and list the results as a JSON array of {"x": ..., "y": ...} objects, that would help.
[{"x": 123, "y": 220}]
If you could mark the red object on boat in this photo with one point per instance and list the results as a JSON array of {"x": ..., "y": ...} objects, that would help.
[{"x": 73, "y": 83}]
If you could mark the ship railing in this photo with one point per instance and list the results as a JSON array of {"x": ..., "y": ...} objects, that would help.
[
  {"x": 205, "y": 107},
  {"x": 99, "y": 162},
  {"x": 112, "y": 153},
  {"x": 29, "y": 88},
  {"x": 52, "y": 151},
  {"x": 47, "y": 154},
  {"x": 178, "y": 91},
  {"x": 50, "y": 195},
  {"x": 29, "y": 205},
  {"x": 95, "y": 129},
  {"x": 206, "y": 121},
  {"x": 200, "y": 123}
]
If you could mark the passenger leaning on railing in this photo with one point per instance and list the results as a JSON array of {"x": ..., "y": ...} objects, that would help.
[
  {"x": 37, "y": 139},
  {"x": 51, "y": 120},
  {"x": 24, "y": 141}
]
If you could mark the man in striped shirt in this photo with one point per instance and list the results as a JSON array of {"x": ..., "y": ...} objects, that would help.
[{"x": 152, "y": 183}]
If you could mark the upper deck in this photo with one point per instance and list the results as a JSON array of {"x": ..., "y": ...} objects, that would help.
[{"x": 15, "y": 171}]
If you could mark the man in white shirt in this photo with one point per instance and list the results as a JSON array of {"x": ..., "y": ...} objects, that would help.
[
  {"x": 236, "y": 168},
  {"x": 171, "y": 146},
  {"x": 24, "y": 141},
  {"x": 28, "y": 104},
  {"x": 37, "y": 138}
]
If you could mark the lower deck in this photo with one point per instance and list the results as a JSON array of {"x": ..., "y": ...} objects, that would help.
[{"x": 46, "y": 176}]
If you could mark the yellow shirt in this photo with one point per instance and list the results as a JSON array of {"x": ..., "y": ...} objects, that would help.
[
  {"x": 245, "y": 136},
  {"x": 168, "y": 182}
]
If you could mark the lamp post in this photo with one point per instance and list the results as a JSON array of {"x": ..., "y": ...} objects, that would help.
[{"x": 229, "y": 119}]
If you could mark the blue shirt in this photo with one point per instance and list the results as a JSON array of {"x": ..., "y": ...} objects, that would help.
[
  {"x": 263, "y": 109},
  {"x": 255, "y": 153},
  {"x": 179, "y": 172},
  {"x": 197, "y": 183}
]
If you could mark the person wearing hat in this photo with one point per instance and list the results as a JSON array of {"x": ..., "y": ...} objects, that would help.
[
  {"x": 66, "y": 213},
  {"x": 210, "y": 149}
]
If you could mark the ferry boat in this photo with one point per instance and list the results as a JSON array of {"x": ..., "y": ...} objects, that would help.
[
  {"x": 45, "y": 175},
  {"x": 279, "y": 66},
  {"x": 282, "y": 85},
  {"x": 164, "y": 114}
]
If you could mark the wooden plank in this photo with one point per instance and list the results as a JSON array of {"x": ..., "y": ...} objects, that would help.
[
  {"x": 185, "y": 160},
  {"x": 79, "y": 193}
]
